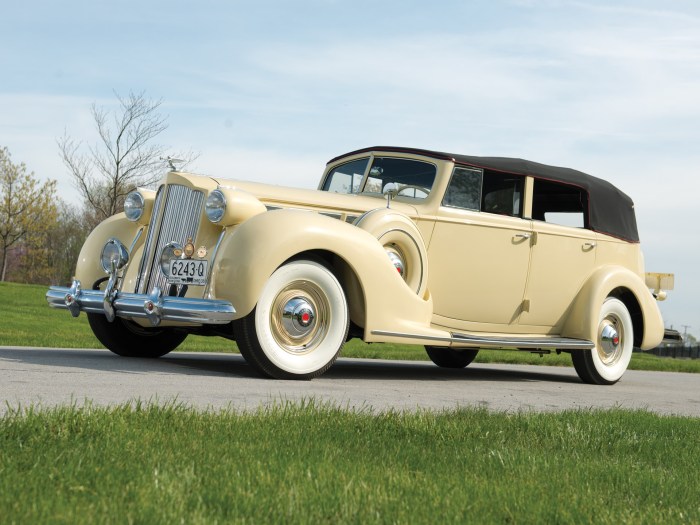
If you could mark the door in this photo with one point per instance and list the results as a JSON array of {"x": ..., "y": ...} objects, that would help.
[
  {"x": 563, "y": 252},
  {"x": 480, "y": 250}
]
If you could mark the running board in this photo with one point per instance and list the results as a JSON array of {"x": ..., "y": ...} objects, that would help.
[{"x": 559, "y": 343}]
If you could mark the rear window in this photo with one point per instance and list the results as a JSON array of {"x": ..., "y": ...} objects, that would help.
[{"x": 558, "y": 203}]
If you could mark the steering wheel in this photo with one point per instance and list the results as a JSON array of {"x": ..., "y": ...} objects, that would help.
[{"x": 413, "y": 187}]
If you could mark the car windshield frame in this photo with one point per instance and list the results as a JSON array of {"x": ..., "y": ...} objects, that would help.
[{"x": 381, "y": 170}]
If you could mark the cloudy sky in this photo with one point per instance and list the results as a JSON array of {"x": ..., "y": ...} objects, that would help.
[{"x": 270, "y": 91}]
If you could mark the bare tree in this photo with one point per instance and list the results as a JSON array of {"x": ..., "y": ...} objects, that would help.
[
  {"x": 125, "y": 155},
  {"x": 27, "y": 207}
]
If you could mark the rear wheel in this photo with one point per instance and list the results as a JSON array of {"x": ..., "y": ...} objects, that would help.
[
  {"x": 127, "y": 339},
  {"x": 450, "y": 357},
  {"x": 299, "y": 325},
  {"x": 605, "y": 364}
]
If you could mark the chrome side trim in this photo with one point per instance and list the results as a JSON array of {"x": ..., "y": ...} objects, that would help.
[
  {"x": 130, "y": 305},
  {"x": 147, "y": 256},
  {"x": 212, "y": 261},
  {"x": 560, "y": 343}
]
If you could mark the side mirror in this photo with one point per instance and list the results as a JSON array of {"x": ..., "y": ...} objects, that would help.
[{"x": 390, "y": 191}]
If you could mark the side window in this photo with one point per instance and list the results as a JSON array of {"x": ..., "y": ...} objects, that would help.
[
  {"x": 464, "y": 190},
  {"x": 560, "y": 204},
  {"x": 347, "y": 177},
  {"x": 502, "y": 193}
]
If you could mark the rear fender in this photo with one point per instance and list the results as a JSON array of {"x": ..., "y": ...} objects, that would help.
[{"x": 583, "y": 319}]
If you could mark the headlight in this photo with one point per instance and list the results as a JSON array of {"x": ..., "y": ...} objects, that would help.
[
  {"x": 114, "y": 253},
  {"x": 134, "y": 205},
  {"x": 215, "y": 206}
]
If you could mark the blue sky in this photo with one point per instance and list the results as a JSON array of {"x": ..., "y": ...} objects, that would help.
[{"x": 270, "y": 91}]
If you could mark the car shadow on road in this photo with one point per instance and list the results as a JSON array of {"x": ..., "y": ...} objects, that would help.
[
  {"x": 425, "y": 371},
  {"x": 233, "y": 365}
]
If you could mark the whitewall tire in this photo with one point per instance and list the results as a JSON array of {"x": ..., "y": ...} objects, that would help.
[
  {"x": 299, "y": 325},
  {"x": 607, "y": 362}
]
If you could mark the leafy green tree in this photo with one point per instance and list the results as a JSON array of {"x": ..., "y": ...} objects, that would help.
[
  {"x": 27, "y": 206},
  {"x": 65, "y": 241}
]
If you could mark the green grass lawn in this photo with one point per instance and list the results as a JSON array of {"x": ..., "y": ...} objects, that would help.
[
  {"x": 304, "y": 463},
  {"x": 29, "y": 321}
]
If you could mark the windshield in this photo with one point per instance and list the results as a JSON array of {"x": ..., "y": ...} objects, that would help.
[{"x": 414, "y": 178}]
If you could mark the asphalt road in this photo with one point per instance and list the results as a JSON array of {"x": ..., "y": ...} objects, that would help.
[{"x": 48, "y": 377}]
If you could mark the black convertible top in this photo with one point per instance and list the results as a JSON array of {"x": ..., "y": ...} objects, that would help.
[{"x": 610, "y": 210}]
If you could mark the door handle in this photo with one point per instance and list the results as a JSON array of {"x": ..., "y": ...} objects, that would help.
[
  {"x": 589, "y": 245},
  {"x": 523, "y": 235}
]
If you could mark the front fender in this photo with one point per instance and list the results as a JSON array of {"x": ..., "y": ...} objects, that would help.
[
  {"x": 582, "y": 321},
  {"x": 255, "y": 249},
  {"x": 88, "y": 268}
]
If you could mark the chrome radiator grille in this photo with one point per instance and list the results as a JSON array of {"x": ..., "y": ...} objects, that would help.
[{"x": 175, "y": 218}]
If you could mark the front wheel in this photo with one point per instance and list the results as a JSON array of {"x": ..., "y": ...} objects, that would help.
[
  {"x": 605, "y": 364},
  {"x": 449, "y": 357},
  {"x": 299, "y": 325},
  {"x": 127, "y": 339}
]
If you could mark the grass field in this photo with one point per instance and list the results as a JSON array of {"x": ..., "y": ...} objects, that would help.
[
  {"x": 28, "y": 321},
  {"x": 305, "y": 463}
]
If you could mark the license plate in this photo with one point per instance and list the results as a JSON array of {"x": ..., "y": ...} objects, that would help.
[{"x": 188, "y": 271}]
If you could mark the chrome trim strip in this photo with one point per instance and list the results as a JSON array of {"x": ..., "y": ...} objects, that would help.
[
  {"x": 561, "y": 343},
  {"x": 212, "y": 260},
  {"x": 147, "y": 256},
  {"x": 130, "y": 305}
]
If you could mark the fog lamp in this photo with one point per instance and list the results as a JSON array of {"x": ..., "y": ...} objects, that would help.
[
  {"x": 172, "y": 250},
  {"x": 114, "y": 254}
]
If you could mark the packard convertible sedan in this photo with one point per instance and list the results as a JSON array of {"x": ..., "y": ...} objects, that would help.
[{"x": 453, "y": 252}]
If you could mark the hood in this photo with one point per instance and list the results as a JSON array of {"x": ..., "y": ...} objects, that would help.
[{"x": 285, "y": 197}]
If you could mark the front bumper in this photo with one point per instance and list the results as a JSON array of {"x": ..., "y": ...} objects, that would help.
[{"x": 154, "y": 307}]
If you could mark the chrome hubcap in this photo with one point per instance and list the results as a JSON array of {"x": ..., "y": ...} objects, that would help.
[
  {"x": 610, "y": 335},
  {"x": 396, "y": 258},
  {"x": 300, "y": 317}
]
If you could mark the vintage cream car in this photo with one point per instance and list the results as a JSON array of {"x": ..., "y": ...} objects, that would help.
[{"x": 397, "y": 245}]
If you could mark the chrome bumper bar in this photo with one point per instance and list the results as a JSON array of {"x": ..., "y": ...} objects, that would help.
[{"x": 154, "y": 307}]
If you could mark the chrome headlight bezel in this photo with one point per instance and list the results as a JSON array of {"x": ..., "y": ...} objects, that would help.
[
  {"x": 134, "y": 206},
  {"x": 113, "y": 253},
  {"x": 215, "y": 206}
]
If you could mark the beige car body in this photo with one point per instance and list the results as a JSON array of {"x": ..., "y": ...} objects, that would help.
[{"x": 484, "y": 280}]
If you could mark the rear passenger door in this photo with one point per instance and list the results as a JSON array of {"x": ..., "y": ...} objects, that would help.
[{"x": 563, "y": 252}]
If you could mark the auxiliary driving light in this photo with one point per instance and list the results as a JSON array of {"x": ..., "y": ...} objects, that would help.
[{"x": 114, "y": 254}]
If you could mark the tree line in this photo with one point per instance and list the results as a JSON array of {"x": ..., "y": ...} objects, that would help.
[{"x": 40, "y": 234}]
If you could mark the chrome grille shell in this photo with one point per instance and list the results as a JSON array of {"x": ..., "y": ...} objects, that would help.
[{"x": 177, "y": 212}]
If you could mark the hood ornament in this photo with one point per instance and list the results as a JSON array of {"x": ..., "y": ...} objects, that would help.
[{"x": 172, "y": 161}]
